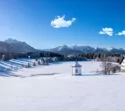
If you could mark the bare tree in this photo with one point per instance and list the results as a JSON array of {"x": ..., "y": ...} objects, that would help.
[{"x": 106, "y": 66}]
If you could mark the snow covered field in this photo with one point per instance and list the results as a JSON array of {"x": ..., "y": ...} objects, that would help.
[
  {"x": 60, "y": 69},
  {"x": 52, "y": 88}
]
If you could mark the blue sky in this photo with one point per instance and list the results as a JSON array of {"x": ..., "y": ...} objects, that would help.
[{"x": 99, "y": 23}]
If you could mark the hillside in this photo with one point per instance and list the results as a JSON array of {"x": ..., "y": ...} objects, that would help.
[{"x": 14, "y": 46}]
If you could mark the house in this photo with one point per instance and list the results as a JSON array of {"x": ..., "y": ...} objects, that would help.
[{"x": 122, "y": 62}]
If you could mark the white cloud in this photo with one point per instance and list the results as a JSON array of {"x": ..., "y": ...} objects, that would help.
[
  {"x": 121, "y": 33},
  {"x": 106, "y": 31},
  {"x": 60, "y": 22}
]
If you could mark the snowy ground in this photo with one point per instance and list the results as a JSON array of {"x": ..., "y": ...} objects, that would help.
[
  {"x": 59, "y": 91},
  {"x": 60, "y": 69}
]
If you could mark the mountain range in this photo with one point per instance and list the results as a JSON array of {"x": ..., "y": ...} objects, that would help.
[
  {"x": 15, "y": 46},
  {"x": 66, "y": 50}
]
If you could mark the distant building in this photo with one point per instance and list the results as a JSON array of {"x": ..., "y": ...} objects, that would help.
[{"x": 76, "y": 69}]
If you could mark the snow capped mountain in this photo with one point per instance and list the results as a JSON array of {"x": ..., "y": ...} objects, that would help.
[
  {"x": 75, "y": 49},
  {"x": 65, "y": 50},
  {"x": 120, "y": 51},
  {"x": 10, "y": 40},
  {"x": 60, "y": 48},
  {"x": 85, "y": 49},
  {"x": 14, "y": 46}
]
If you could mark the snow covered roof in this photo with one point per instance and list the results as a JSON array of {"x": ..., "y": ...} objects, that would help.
[
  {"x": 76, "y": 64},
  {"x": 121, "y": 60}
]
